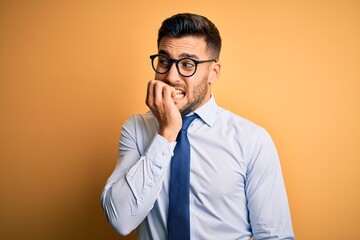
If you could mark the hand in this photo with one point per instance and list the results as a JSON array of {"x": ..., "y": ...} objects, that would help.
[{"x": 160, "y": 100}]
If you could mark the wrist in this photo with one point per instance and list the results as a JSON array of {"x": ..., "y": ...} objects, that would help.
[{"x": 168, "y": 134}]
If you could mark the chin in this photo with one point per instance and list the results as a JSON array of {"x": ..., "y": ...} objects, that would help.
[
  {"x": 180, "y": 106},
  {"x": 180, "y": 103}
]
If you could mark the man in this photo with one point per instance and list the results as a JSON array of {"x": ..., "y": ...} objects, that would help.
[{"x": 234, "y": 186}]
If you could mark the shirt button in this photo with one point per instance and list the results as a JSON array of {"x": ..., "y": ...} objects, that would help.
[{"x": 164, "y": 153}]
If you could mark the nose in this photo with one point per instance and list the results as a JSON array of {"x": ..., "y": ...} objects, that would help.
[{"x": 172, "y": 76}]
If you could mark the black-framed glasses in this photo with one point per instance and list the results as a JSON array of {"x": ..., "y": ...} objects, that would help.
[{"x": 186, "y": 67}]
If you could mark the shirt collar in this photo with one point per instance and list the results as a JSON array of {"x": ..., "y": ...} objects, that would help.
[{"x": 208, "y": 111}]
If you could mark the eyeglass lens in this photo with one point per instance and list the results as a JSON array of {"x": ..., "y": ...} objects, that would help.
[{"x": 162, "y": 64}]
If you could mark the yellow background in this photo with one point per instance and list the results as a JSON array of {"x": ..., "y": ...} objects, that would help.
[{"x": 71, "y": 72}]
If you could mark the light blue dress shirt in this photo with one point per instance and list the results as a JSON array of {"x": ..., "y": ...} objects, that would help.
[{"x": 237, "y": 189}]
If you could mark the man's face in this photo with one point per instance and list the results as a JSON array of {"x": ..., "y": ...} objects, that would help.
[{"x": 191, "y": 92}]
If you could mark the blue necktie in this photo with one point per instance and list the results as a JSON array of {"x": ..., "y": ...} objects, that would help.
[{"x": 179, "y": 211}]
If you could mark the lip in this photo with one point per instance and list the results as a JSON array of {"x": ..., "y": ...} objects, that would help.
[{"x": 179, "y": 93}]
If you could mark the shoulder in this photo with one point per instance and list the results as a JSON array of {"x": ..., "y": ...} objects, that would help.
[
  {"x": 140, "y": 123},
  {"x": 140, "y": 120},
  {"x": 253, "y": 139},
  {"x": 230, "y": 119},
  {"x": 243, "y": 128}
]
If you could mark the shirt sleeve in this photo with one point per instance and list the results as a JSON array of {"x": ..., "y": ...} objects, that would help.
[
  {"x": 133, "y": 187},
  {"x": 267, "y": 201}
]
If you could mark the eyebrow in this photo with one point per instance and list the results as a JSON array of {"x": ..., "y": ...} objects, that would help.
[{"x": 183, "y": 55}]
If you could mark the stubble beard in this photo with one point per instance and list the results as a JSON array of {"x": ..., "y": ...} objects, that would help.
[{"x": 199, "y": 94}]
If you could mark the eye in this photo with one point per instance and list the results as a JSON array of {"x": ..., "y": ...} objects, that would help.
[
  {"x": 187, "y": 63},
  {"x": 163, "y": 62}
]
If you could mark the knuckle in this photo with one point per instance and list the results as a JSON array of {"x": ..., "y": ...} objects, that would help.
[
  {"x": 148, "y": 102},
  {"x": 157, "y": 84}
]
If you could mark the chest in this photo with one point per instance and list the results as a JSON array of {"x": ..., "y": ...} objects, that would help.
[{"x": 218, "y": 164}]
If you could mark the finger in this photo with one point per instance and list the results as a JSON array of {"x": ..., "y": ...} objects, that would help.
[
  {"x": 150, "y": 93},
  {"x": 158, "y": 92},
  {"x": 169, "y": 92},
  {"x": 173, "y": 93}
]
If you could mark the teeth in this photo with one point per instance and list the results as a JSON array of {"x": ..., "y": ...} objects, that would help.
[{"x": 179, "y": 94}]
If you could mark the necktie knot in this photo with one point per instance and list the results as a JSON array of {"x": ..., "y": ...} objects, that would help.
[{"x": 187, "y": 120}]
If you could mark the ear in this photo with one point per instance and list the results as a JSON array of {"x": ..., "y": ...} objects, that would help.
[{"x": 215, "y": 73}]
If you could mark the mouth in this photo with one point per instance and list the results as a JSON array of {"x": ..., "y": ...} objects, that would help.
[{"x": 179, "y": 94}]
